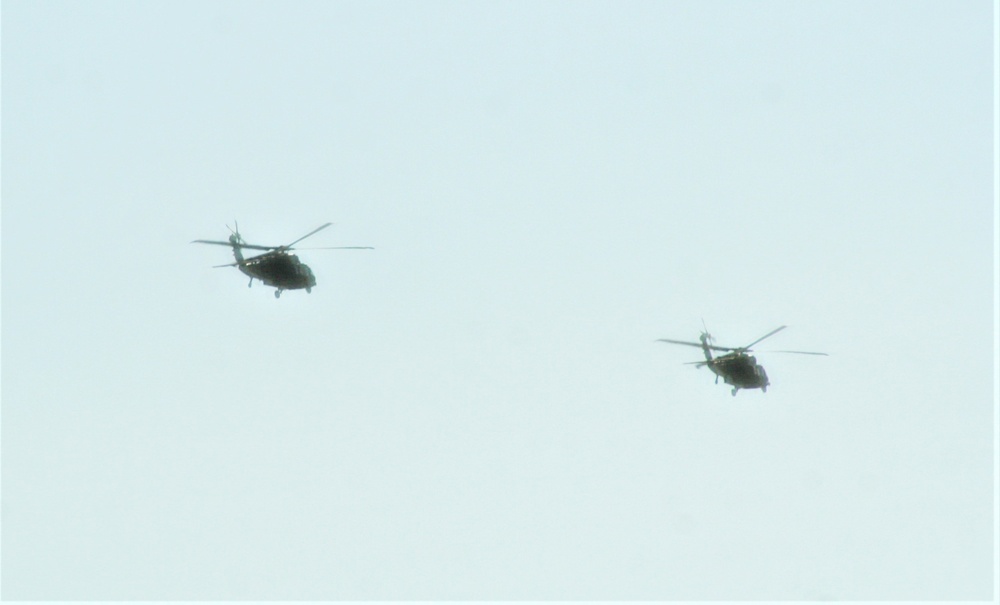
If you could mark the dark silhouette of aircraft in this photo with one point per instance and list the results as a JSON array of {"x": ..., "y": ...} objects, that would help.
[
  {"x": 276, "y": 267},
  {"x": 737, "y": 367}
]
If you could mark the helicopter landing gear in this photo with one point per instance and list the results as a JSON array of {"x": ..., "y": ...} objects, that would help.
[
  {"x": 250, "y": 283},
  {"x": 309, "y": 290},
  {"x": 734, "y": 391},
  {"x": 277, "y": 293}
]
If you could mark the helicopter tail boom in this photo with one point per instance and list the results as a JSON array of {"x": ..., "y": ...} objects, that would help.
[
  {"x": 236, "y": 241},
  {"x": 705, "y": 337}
]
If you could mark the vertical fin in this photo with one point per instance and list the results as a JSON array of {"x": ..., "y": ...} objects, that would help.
[
  {"x": 235, "y": 240},
  {"x": 705, "y": 338}
]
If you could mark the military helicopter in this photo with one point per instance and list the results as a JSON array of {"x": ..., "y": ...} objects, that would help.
[
  {"x": 276, "y": 267},
  {"x": 736, "y": 367}
]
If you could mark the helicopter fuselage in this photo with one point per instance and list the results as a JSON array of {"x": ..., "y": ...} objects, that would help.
[
  {"x": 279, "y": 270},
  {"x": 739, "y": 370}
]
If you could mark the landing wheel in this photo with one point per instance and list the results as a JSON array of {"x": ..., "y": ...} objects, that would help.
[
  {"x": 734, "y": 391},
  {"x": 277, "y": 293},
  {"x": 309, "y": 290}
]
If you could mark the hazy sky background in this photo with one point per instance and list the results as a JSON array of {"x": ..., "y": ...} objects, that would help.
[{"x": 477, "y": 409}]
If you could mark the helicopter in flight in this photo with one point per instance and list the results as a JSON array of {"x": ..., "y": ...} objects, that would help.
[
  {"x": 736, "y": 367},
  {"x": 275, "y": 267}
]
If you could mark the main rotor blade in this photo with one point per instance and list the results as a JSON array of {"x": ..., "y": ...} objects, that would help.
[
  {"x": 337, "y": 248},
  {"x": 693, "y": 344},
  {"x": 679, "y": 342},
  {"x": 313, "y": 232},
  {"x": 802, "y": 353},
  {"x": 232, "y": 245},
  {"x": 768, "y": 335}
]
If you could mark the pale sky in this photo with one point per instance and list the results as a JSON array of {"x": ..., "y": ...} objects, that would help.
[{"x": 478, "y": 409}]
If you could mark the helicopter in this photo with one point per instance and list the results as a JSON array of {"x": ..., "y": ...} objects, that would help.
[
  {"x": 275, "y": 267},
  {"x": 736, "y": 367}
]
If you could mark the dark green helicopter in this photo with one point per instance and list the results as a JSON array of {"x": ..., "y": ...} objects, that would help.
[
  {"x": 276, "y": 267},
  {"x": 736, "y": 367}
]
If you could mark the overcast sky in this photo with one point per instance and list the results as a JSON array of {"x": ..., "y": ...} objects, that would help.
[{"x": 478, "y": 409}]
